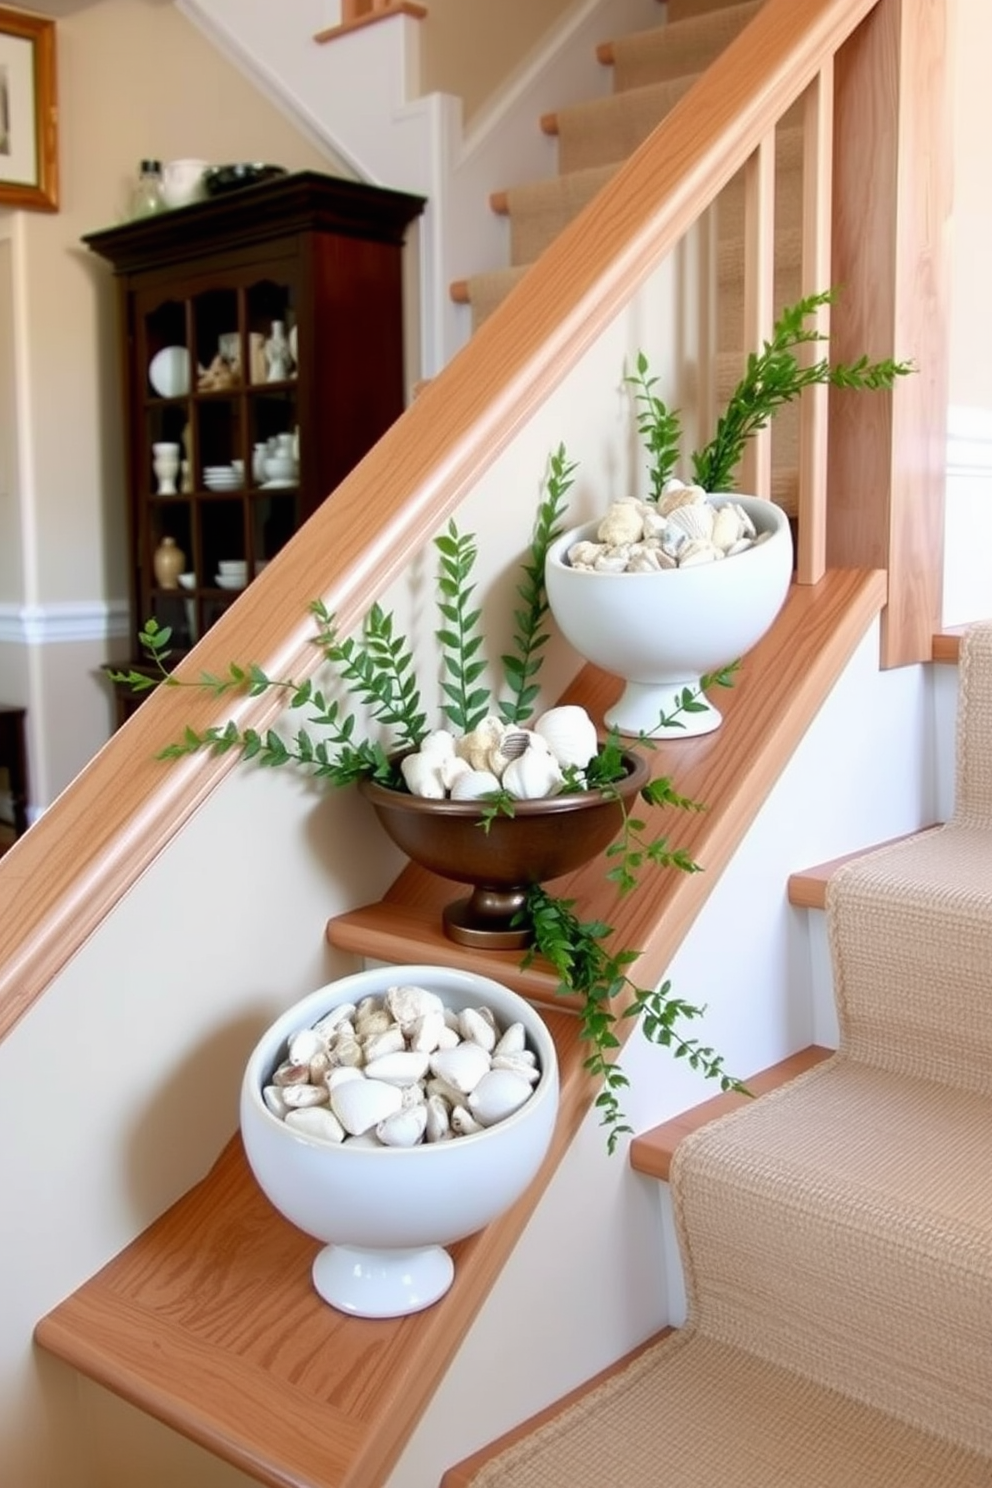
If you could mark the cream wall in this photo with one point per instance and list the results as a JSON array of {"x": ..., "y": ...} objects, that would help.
[
  {"x": 971, "y": 307},
  {"x": 470, "y": 47},
  {"x": 134, "y": 79}
]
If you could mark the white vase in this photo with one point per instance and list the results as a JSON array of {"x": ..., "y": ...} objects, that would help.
[
  {"x": 278, "y": 357},
  {"x": 165, "y": 463}
]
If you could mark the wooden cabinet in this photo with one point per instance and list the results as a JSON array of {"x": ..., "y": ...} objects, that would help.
[{"x": 262, "y": 356}]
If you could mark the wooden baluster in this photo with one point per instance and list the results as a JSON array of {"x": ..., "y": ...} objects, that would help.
[
  {"x": 759, "y": 295},
  {"x": 818, "y": 103}
]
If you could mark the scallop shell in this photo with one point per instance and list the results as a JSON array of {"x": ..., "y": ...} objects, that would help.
[
  {"x": 360, "y": 1105},
  {"x": 497, "y": 1095},
  {"x": 473, "y": 784},
  {"x": 675, "y": 496},
  {"x": 696, "y": 520},
  {"x": 569, "y": 733},
  {"x": 462, "y": 1068}
]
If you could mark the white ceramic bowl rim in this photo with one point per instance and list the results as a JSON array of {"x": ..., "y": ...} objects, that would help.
[
  {"x": 307, "y": 1012},
  {"x": 754, "y": 505}
]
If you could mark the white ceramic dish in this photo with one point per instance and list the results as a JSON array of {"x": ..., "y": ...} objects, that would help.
[
  {"x": 384, "y": 1214},
  {"x": 229, "y": 581},
  {"x": 168, "y": 372},
  {"x": 188, "y": 580},
  {"x": 223, "y": 483}
]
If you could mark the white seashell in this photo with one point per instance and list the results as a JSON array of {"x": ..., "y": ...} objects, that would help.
[
  {"x": 413, "y": 1095},
  {"x": 438, "y": 1118},
  {"x": 290, "y": 1073},
  {"x": 422, "y": 776},
  {"x": 726, "y": 527},
  {"x": 510, "y": 747},
  {"x": 347, "y": 1051},
  {"x": 403, "y": 1128},
  {"x": 622, "y": 524},
  {"x": 477, "y": 1029},
  {"x": 649, "y": 560},
  {"x": 677, "y": 495},
  {"x": 366, "y": 1139},
  {"x": 327, "y": 1025},
  {"x": 425, "y": 1032},
  {"x": 748, "y": 528},
  {"x": 304, "y": 1045},
  {"x": 653, "y": 521},
  {"x": 408, "y": 1003},
  {"x": 696, "y": 521},
  {"x": 297, "y": 1096},
  {"x": 390, "y": 1041},
  {"x": 584, "y": 554},
  {"x": 535, "y": 774},
  {"x": 512, "y": 1039},
  {"x": 741, "y": 546},
  {"x": 272, "y": 1096},
  {"x": 341, "y": 1074},
  {"x": 473, "y": 784},
  {"x": 360, "y": 1105},
  {"x": 443, "y": 1091},
  {"x": 497, "y": 1095},
  {"x": 462, "y": 1067},
  {"x": 448, "y": 1038},
  {"x": 696, "y": 553},
  {"x": 463, "y": 1122},
  {"x": 317, "y": 1121},
  {"x": 476, "y": 746},
  {"x": 612, "y": 560},
  {"x": 438, "y": 745},
  {"x": 399, "y": 1069},
  {"x": 373, "y": 1022},
  {"x": 518, "y": 1065},
  {"x": 319, "y": 1065},
  {"x": 569, "y": 733}
]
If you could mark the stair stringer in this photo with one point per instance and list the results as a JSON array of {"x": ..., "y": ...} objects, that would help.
[
  {"x": 597, "y": 1270},
  {"x": 358, "y": 96}
]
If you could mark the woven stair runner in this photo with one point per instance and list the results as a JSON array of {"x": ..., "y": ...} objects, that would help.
[
  {"x": 651, "y": 72},
  {"x": 837, "y": 1235}
]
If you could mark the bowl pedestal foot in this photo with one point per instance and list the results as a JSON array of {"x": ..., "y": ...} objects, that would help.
[
  {"x": 382, "y": 1283},
  {"x": 642, "y": 704},
  {"x": 484, "y": 920}
]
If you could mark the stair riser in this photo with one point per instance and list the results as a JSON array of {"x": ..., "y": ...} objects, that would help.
[
  {"x": 674, "y": 50},
  {"x": 608, "y": 130}
]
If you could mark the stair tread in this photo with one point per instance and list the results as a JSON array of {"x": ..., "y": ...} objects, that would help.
[
  {"x": 677, "y": 47},
  {"x": 606, "y": 130}
]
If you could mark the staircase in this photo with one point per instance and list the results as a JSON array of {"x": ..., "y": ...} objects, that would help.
[
  {"x": 651, "y": 71},
  {"x": 836, "y": 1235}
]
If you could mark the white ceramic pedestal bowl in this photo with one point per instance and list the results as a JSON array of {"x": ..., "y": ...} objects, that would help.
[
  {"x": 385, "y": 1214},
  {"x": 661, "y": 632}
]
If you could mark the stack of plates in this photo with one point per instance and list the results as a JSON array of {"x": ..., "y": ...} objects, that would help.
[{"x": 222, "y": 478}]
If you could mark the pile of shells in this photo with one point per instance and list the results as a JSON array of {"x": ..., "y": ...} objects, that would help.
[
  {"x": 401, "y": 1070},
  {"x": 526, "y": 763},
  {"x": 682, "y": 530}
]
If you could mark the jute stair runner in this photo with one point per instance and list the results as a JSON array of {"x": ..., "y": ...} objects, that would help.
[{"x": 836, "y": 1235}]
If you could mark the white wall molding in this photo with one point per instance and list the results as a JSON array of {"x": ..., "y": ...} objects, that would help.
[
  {"x": 59, "y": 624},
  {"x": 968, "y": 516},
  {"x": 969, "y": 441}
]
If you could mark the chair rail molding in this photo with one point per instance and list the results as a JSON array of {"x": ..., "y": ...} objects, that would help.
[
  {"x": 358, "y": 97},
  {"x": 56, "y": 624}
]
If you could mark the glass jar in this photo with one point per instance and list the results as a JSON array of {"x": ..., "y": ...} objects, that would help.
[{"x": 146, "y": 196}]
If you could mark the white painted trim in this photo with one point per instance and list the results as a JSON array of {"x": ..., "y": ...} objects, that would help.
[
  {"x": 61, "y": 624},
  {"x": 969, "y": 441}
]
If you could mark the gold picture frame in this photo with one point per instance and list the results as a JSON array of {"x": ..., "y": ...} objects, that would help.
[{"x": 28, "y": 113}]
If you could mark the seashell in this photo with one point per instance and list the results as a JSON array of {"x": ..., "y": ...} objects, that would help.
[
  {"x": 319, "y": 1065},
  {"x": 748, "y": 528},
  {"x": 497, "y": 1095},
  {"x": 272, "y": 1096},
  {"x": 612, "y": 560},
  {"x": 696, "y": 521},
  {"x": 518, "y": 1065},
  {"x": 569, "y": 733},
  {"x": 425, "y": 1032},
  {"x": 510, "y": 747},
  {"x": 648, "y": 560},
  {"x": 476, "y": 746},
  {"x": 373, "y": 1022},
  {"x": 584, "y": 554},
  {"x": 672, "y": 541},
  {"x": 451, "y": 767},
  {"x": 740, "y": 546},
  {"x": 512, "y": 1040},
  {"x": 438, "y": 745},
  {"x": 390, "y": 1041},
  {"x": 443, "y": 1091},
  {"x": 413, "y": 1095},
  {"x": 535, "y": 774},
  {"x": 726, "y": 527},
  {"x": 327, "y": 1025},
  {"x": 463, "y": 1122},
  {"x": 462, "y": 1068},
  {"x": 398, "y": 1069},
  {"x": 676, "y": 495},
  {"x": 408, "y": 1003},
  {"x": 622, "y": 524},
  {"x": 304, "y": 1045},
  {"x": 696, "y": 553},
  {"x": 296, "y": 1096},
  {"x": 477, "y": 1029},
  {"x": 422, "y": 776},
  {"x": 438, "y": 1118},
  {"x": 653, "y": 521},
  {"x": 472, "y": 785},
  {"x": 347, "y": 1051},
  {"x": 290, "y": 1073},
  {"x": 360, "y": 1105},
  {"x": 318, "y": 1122},
  {"x": 365, "y": 1139},
  {"x": 403, "y": 1128},
  {"x": 448, "y": 1038}
]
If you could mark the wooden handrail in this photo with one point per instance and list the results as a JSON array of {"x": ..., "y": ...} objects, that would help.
[{"x": 65, "y": 876}]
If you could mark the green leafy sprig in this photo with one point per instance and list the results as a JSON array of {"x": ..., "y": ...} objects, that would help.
[
  {"x": 660, "y": 428},
  {"x": 459, "y": 636}
]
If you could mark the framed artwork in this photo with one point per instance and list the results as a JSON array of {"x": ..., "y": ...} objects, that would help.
[{"x": 28, "y": 112}]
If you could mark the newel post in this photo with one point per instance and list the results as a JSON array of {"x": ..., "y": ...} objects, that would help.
[{"x": 892, "y": 202}]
